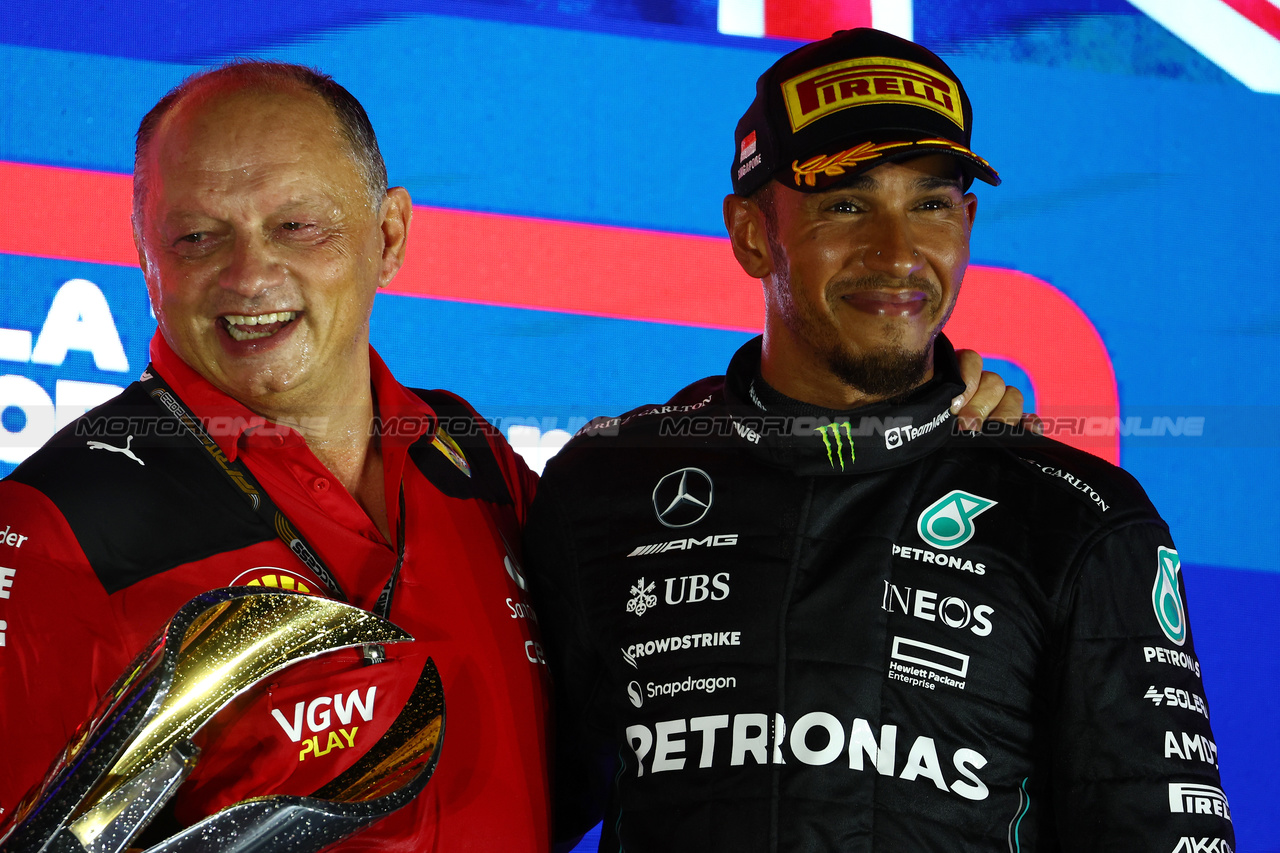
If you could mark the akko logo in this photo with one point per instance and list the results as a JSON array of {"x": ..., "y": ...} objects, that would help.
[
  {"x": 1188, "y": 844},
  {"x": 317, "y": 715},
  {"x": 1165, "y": 598},
  {"x": 948, "y": 522}
]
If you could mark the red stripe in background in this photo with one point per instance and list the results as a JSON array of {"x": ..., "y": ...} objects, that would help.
[
  {"x": 66, "y": 213},
  {"x": 606, "y": 272},
  {"x": 811, "y": 20},
  {"x": 1260, "y": 12}
]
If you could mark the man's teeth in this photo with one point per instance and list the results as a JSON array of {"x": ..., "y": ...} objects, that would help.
[
  {"x": 236, "y": 324},
  {"x": 260, "y": 319}
]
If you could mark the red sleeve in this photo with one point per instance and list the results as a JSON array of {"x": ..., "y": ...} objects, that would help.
[
  {"x": 58, "y": 646},
  {"x": 520, "y": 479}
]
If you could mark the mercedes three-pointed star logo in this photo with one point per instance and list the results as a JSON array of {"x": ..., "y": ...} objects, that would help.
[{"x": 682, "y": 497}]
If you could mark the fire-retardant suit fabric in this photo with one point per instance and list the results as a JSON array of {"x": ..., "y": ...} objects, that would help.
[{"x": 780, "y": 632}]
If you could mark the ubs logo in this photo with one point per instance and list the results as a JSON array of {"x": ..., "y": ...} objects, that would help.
[{"x": 682, "y": 498}]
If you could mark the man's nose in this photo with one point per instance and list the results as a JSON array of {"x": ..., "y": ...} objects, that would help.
[
  {"x": 253, "y": 269},
  {"x": 891, "y": 249}
]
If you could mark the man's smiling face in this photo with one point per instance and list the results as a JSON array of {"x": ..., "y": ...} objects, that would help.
[
  {"x": 860, "y": 279},
  {"x": 261, "y": 244}
]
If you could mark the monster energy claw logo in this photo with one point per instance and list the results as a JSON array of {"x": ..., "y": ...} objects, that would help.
[
  {"x": 948, "y": 522},
  {"x": 1165, "y": 598},
  {"x": 835, "y": 444}
]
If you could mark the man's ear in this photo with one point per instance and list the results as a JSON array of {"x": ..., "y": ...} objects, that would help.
[
  {"x": 744, "y": 221},
  {"x": 137, "y": 244},
  {"x": 144, "y": 264},
  {"x": 397, "y": 212}
]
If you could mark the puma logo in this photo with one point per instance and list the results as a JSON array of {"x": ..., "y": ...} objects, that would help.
[{"x": 102, "y": 445}]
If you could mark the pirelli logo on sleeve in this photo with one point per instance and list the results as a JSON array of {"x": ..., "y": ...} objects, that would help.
[{"x": 869, "y": 80}]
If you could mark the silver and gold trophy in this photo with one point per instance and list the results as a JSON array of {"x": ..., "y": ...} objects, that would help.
[{"x": 126, "y": 761}]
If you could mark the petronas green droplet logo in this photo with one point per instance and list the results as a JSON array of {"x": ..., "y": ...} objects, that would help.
[
  {"x": 948, "y": 523},
  {"x": 1165, "y": 598}
]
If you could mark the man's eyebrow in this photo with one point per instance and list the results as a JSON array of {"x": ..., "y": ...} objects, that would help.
[
  {"x": 926, "y": 183},
  {"x": 936, "y": 182},
  {"x": 862, "y": 182}
]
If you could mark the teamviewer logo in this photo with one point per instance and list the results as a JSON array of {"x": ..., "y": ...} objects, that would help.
[{"x": 893, "y": 438}]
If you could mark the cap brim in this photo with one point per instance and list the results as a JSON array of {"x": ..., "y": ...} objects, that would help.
[{"x": 825, "y": 171}]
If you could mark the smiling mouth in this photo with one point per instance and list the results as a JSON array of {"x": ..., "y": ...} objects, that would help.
[
  {"x": 246, "y": 327},
  {"x": 888, "y": 303}
]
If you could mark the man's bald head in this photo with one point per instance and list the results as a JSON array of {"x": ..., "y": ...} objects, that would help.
[{"x": 262, "y": 76}]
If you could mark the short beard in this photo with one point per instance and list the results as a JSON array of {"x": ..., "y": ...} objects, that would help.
[
  {"x": 885, "y": 374},
  {"x": 892, "y": 372}
]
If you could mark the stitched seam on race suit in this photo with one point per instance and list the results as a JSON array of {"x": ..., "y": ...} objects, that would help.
[{"x": 801, "y": 522}]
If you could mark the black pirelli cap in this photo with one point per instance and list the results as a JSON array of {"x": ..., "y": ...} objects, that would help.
[{"x": 835, "y": 108}]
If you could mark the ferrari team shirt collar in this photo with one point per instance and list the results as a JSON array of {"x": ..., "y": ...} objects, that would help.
[{"x": 401, "y": 417}]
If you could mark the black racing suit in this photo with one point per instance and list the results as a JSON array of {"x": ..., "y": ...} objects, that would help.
[{"x": 872, "y": 633}]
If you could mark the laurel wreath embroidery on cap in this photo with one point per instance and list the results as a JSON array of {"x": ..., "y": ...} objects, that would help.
[{"x": 832, "y": 165}]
